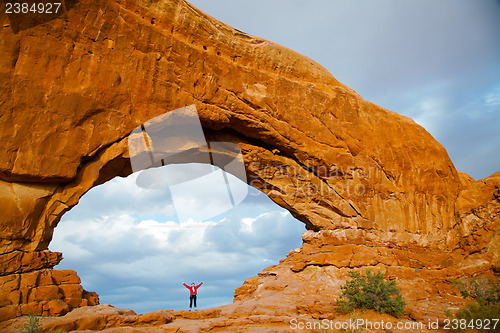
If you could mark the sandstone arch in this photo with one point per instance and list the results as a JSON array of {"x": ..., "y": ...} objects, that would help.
[{"x": 76, "y": 86}]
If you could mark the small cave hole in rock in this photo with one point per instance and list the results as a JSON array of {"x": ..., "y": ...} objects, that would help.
[{"x": 135, "y": 246}]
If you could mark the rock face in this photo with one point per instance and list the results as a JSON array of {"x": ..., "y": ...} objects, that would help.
[
  {"x": 373, "y": 186},
  {"x": 45, "y": 292},
  {"x": 97, "y": 318}
]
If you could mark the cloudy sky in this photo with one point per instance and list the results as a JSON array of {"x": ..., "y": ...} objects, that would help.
[
  {"x": 134, "y": 247},
  {"x": 437, "y": 61}
]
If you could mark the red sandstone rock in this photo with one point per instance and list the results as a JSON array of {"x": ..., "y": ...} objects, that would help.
[
  {"x": 57, "y": 307},
  {"x": 248, "y": 89},
  {"x": 378, "y": 188},
  {"x": 46, "y": 292}
]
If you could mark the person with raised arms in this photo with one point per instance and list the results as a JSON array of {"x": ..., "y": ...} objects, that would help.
[{"x": 193, "y": 291}]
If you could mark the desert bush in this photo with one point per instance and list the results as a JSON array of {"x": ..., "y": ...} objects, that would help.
[
  {"x": 485, "y": 305},
  {"x": 479, "y": 288},
  {"x": 32, "y": 325},
  {"x": 371, "y": 291}
]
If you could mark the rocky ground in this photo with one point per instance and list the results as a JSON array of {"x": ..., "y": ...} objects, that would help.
[
  {"x": 236, "y": 317},
  {"x": 303, "y": 289}
]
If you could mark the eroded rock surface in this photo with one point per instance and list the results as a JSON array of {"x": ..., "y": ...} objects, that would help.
[
  {"x": 47, "y": 292},
  {"x": 376, "y": 186}
]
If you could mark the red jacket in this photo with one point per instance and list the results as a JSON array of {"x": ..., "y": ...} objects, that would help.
[{"x": 193, "y": 290}]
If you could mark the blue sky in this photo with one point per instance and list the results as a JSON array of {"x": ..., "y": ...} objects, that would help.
[{"x": 437, "y": 62}]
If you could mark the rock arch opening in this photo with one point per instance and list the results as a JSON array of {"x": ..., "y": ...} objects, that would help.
[
  {"x": 299, "y": 130},
  {"x": 134, "y": 248}
]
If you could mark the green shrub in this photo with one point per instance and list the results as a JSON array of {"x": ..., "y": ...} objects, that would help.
[
  {"x": 478, "y": 312},
  {"x": 32, "y": 325},
  {"x": 371, "y": 292},
  {"x": 486, "y": 305},
  {"x": 482, "y": 289}
]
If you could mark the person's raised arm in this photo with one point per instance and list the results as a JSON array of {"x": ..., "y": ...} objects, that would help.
[
  {"x": 198, "y": 286},
  {"x": 185, "y": 285}
]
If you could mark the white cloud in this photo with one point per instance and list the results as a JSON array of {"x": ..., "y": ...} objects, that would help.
[
  {"x": 492, "y": 99},
  {"x": 129, "y": 258}
]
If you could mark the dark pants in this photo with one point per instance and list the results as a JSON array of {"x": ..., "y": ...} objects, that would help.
[{"x": 191, "y": 299}]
